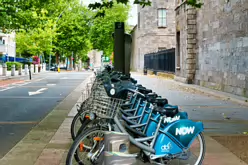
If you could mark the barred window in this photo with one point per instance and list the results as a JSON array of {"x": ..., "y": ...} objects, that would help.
[{"x": 162, "y": 18}]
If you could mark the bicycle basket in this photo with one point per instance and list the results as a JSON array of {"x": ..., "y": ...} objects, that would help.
[{"x": 106, "y": 107}]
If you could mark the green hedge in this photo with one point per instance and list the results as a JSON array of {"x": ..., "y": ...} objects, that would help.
[{"x": 17, "y": 65}]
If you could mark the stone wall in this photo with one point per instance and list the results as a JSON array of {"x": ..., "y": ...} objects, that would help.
[
  {"x": 186, "y": 44},
  {"x": 221, "y": 59},
  {"x": 134, "y": 57},
  {"x": 223, "y": 46},
  {"x": 149, "y": 37}
]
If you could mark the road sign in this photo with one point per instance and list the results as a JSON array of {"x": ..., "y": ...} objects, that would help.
[{"x": 105, "y": 59}]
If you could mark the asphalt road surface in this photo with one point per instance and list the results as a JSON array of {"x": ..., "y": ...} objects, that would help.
[{"x": 26, "y": 103}]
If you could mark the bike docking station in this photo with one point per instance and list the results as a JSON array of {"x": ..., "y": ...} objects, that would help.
[
  {"x": 122, "y": 49},
  {"x": 125, "y": 123},
  {"x": 116, "y": 149}
]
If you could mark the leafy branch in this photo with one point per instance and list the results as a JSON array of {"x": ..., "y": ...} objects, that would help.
[{"x": 109, "y": 4}]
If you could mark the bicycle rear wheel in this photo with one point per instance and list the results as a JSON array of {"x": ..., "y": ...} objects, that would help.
[
  {"x": 76, "y": 124},
  {"x": 87, "y": 143}
]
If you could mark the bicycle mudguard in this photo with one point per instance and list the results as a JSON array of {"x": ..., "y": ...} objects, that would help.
[{"x": 177, "y": 136}]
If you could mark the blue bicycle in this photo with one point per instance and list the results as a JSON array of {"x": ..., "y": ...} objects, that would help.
[{"x": 162, "y": 133}]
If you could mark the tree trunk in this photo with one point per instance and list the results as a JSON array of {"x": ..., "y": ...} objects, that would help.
[
  {"x": 70, "y": 60},
  {"x": 74, "y": 60},
  {"x": 57, "y": 58}
]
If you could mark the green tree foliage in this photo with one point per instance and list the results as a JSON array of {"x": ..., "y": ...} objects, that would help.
[
  {"x": 73, "y": 31},
  {"x": 103, "y": 27},
  {"x": 36, "y": 41},
  {"x": 102, "y": 7},
  {"x": 19, "y": 14}
]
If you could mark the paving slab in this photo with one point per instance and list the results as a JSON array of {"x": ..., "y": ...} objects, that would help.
[{"x": 50, "y": 156}]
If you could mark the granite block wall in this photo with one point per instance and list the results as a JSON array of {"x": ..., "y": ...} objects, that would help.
[{"x": 221, "y": 40}]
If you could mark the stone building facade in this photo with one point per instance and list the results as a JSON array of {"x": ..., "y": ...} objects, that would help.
[
  {"x": 95, "y": 57},
  {"x": 155, "y": 31},
  {"x": 212, "y": 45}
]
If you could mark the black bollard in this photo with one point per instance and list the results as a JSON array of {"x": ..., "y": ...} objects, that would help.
[
  {"x": 29, "y": 68},
  {"x": 119, "y": 47}
]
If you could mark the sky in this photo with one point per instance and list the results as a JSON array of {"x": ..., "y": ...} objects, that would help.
[{"x": 132, "y": 14}]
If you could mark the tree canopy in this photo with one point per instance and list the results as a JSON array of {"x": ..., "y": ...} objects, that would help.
[
  {"x": 103, "y": 27},
  {"x": 103, "y": 6}
]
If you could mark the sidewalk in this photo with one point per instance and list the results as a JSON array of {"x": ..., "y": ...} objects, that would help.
[
  {"x": 19, "y": 76},
  {"x": 48, "y": 142}
]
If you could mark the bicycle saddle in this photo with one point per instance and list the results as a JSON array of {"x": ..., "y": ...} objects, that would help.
[
  {"x": 171, "y": 110},
  {"x": 124, "y": 77},
  {"x": 168, "y": 110},
  {"x": 161, "y": 102},
  {"x": 151, "y": 95},
  {"x": 115, "y": 78},
  {"x": 133, "y": 80},
  {"x": 144, "y": 90}
]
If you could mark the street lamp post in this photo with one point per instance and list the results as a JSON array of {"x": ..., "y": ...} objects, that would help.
[{"x": 50, "y": 56}]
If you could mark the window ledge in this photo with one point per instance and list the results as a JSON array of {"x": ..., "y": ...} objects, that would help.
[
  {"x": 162, "y": 27},
  {"x": 178, "y": 68}
]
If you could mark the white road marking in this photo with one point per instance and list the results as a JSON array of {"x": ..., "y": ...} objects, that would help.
[
  {"x": 6, "y": 89},
  {"x": 24, "y": 84},
  {"x": 37, "y": 92},
  {"x": 51, "y": 84},
  {"x": 18, "y": 84}
]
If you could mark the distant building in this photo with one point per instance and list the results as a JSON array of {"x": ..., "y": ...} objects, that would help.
[
  {"x": 7, "y": 45},
  {"x": 155, "y": 31},
  {"x": 95, "y": 58}
]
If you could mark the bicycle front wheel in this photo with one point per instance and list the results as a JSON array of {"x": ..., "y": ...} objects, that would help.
[
  {"x": 85, "y": 145},
  {"x": 194, "y": 155}
]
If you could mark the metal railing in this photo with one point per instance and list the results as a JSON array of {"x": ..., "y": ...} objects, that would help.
[{"x": 161, "y": 61}]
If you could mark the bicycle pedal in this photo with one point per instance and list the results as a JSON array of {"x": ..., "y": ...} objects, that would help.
[{"x": 143, "y": 157}]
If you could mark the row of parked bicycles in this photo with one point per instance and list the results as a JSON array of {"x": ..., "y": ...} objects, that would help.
[{"x": 161, "y": 133}]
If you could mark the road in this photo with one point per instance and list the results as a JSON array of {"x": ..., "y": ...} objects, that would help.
[
  {"x": 218, "y": 115},
  {"x": 26, "y": 103}
]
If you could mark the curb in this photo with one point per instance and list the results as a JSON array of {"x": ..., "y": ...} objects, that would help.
[
  {"x": 29, "y": 148},
  {"x": 220, "y": 94}
]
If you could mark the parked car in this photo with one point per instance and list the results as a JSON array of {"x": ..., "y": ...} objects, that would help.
[{"x": 53, "y": 67}]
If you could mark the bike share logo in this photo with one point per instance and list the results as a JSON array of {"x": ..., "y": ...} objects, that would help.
[
  {"x": 112, "y": 91},
  {"x": 185, "y": 131},
  {"x": 170, "y": 120},
  {"x": 166, "y": 148}
]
